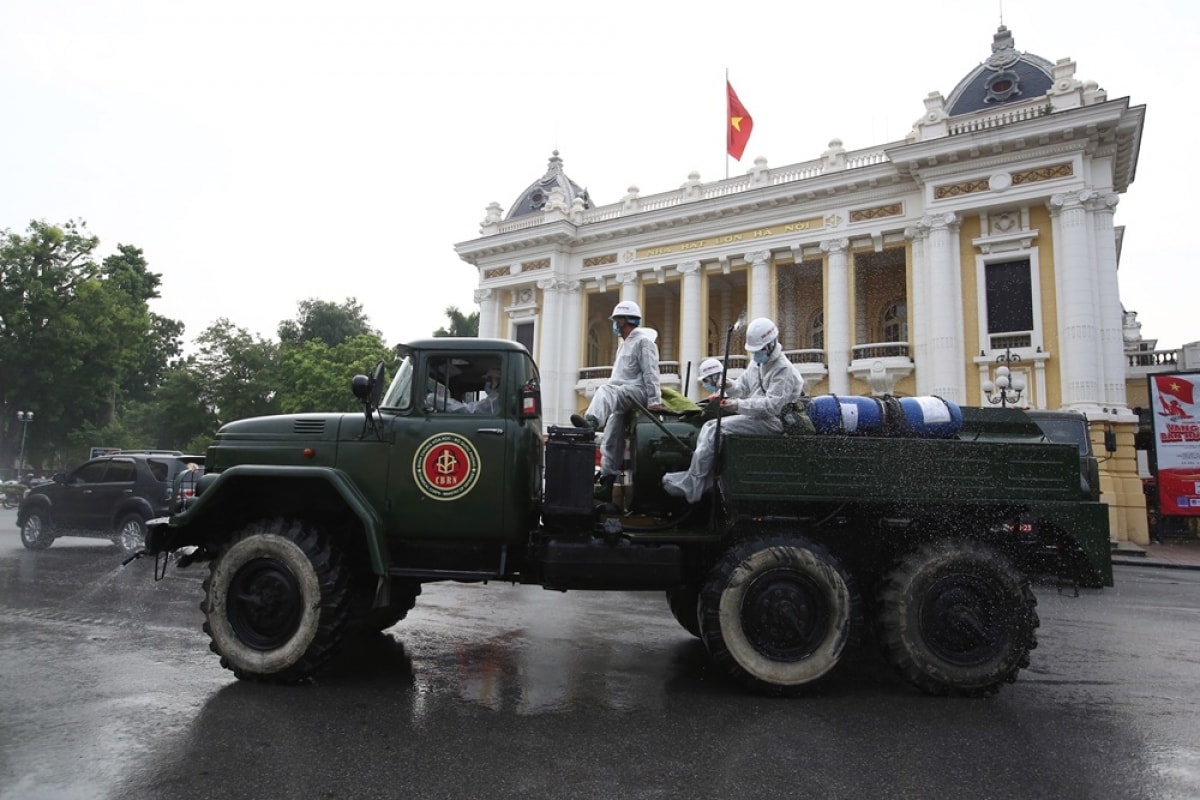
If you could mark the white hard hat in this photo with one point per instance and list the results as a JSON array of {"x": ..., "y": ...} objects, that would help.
[
  {"x": 760, "y": 333},
  {"x": 626, "y": 308},
  {"x": 710, "y": 367}
]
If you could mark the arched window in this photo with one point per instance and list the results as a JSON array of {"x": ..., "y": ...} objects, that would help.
[
  {"x": 817, "y": 331},
  {"x": 895, "y": 322}
]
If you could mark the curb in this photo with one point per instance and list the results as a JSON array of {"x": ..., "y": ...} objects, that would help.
[{"x": 1142, "y": 561}]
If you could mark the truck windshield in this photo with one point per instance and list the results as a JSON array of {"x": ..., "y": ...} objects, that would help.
[{"x": 399, "y": 394}]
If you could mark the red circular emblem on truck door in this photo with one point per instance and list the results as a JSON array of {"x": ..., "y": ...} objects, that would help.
[{"x": 446, "y": 466}]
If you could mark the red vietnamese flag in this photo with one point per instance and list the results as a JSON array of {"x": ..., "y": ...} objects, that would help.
[
  {"x": 1175, "y": 386},
  {"x": 738, "y": 125}
]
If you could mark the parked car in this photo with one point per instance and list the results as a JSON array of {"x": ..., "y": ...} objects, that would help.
[{"x": 110, "y": 497}]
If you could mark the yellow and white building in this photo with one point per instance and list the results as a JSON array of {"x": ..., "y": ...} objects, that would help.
[{"x": 908, "y": 268}]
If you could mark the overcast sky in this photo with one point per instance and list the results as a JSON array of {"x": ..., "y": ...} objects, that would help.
[{"x": 262, "y": 152}]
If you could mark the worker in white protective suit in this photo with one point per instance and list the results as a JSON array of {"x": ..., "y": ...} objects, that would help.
[
  {"x": 756, "y": 398},
  {"x": 710, "y": 376},
  {"x": 634, "y": 376}
]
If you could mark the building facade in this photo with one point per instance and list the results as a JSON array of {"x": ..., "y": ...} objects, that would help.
[{"x": 986, "y": 237}]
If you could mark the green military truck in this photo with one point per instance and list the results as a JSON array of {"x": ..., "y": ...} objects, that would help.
[{"x": 316, "y": 527}]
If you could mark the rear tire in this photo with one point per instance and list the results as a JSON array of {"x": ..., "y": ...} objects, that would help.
[
  {"x": 956, "y": 618},
  {"x": 35, "y": 533},
  {"x": 776, "y": 613},
  {"x": 131, "y": 534},
  {"x": 685, "y": 607},
  {"x": 277, "y": 601}
]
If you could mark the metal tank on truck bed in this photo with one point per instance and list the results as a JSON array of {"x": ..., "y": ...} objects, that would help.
[{"x": 316, "y": 527}]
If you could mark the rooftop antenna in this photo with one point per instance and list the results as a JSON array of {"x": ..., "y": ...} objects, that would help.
[{"x": 1001, "y": 13}]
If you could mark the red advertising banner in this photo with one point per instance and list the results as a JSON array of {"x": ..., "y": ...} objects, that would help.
[{"x": 1177, "y": 441}]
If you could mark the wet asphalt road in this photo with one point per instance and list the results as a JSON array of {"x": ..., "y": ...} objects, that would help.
[{"x": 109, "y": 691}]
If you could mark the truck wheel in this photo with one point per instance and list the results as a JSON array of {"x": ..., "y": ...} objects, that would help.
[
  {"x": 684, "y": 607},
  {"x": 276, "y": 603},
  {"x": 776, "y": 613},
  {"x": 376, "y": 620},
  {"x": 955, "y": 618},
  {"x": 35, "y": 533}
]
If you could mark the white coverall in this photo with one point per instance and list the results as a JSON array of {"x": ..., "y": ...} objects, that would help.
[
  {"x": 488, "y": 404},
  {"x": 761, "y": 393},
  {"x": 634, "y": 375}
]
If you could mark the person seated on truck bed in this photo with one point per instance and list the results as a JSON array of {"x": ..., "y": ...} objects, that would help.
[
  {"x": 756, "y": 399},
  {"x": 634, "y": 378}
]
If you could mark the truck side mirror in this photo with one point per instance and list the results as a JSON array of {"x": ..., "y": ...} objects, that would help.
[{"x": 1110, "y": 440}]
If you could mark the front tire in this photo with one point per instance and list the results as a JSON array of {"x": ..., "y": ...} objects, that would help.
[
  {"x": 368, "y": 621},
  {"x": 776, "y": 613},
  {"x": 277, "y": 601},
  {"x": 35, "y": 533},
  {"x": 955, "y": 618}
]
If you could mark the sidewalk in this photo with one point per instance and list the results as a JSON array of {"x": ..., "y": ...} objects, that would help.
[{"x": 1172, "y": 554}]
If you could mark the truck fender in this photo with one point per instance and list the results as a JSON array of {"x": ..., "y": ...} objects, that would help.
[{"x": 224, "y": 492}]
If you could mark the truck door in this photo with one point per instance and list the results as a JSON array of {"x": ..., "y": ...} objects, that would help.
[{"x": 451, "y": 455}]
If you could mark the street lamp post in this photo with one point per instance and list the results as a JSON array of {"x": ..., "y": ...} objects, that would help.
[
  {"x": 25, "y": 417},
  {"x": 1007, "y": 387}
]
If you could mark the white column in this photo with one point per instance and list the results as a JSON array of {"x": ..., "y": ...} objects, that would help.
[
  {"x": 1078, "y": 328},
  {"x": 862, "y": 327},
  {"x": 488, "y": 312},
  {"x": 549, "y": 362},
  {"x": 1112, "y": 316},
  {"x": 837, "y": 316},
  {"x": 629, "y": 286},
  {"x": 946, "y": 353},
  {"x": 919, "y": 308},
  {"x": 760, "y": 284},
  {"x": 692, "y": 324},
  {"x": 570, "y": 331}
]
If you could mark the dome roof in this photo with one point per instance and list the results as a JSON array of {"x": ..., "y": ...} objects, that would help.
[
  {"x": 533, "y": 199},
  {"x": 1008, "y": 76}
]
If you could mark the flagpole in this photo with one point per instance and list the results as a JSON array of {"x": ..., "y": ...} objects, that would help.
[{"x": 726, "y": 125}]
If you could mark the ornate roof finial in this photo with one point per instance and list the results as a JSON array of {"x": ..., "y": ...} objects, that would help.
[{"x": 1004, "y": 50}]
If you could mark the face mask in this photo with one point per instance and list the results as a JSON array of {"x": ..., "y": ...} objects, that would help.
[
  {"x": 616, "y": 329},
  {"x": 709, "y": 386},
  {"x": 760, "y": 356}
]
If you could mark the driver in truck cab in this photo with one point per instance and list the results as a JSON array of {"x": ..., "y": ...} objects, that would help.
[
  {"x": 757, "y": 399},
  {"x": 488, "y": 403}
]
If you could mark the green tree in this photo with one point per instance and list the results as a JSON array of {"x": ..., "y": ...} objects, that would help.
[
  {"x": 324, "y": 321},
  {"x": 175, "y": 417},
  {"x": 235, "y": 372},
  {"x": 316, "y": 377},
  {"x": 460, "y": 324},
  {"x": 77, "y": 341}
]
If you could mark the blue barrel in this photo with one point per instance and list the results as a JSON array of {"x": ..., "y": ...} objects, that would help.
[
  {"x": 930, "y": 417},
  {"x": 861, "y": 416}
]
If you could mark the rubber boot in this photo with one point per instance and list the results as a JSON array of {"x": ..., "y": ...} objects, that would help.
[{"x": 585, "y": 422}]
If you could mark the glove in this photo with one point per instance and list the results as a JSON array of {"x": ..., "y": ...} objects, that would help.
[{"x": 730, "y": 406}]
